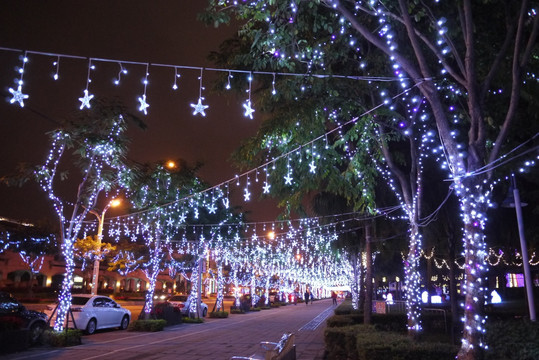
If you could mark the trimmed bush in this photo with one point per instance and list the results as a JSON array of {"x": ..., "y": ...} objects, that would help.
[
  {"x": 275, "y": 305},
  {"x": 168, "y": 312},
  {"x": 381, "y": 322},
  {"x": 69, "y": 337},
  {"x": 193, "y": 320},
  {"x": 255, "y": 309},
  {"x": 512, "y": 339},
  {"x": 364, "y": 342},
  {"x": 219, "y": 314},
  {"x": 341, "y": 342},
  {"x": 147, "y": 325},
  {"x": 237, "y": 311}
]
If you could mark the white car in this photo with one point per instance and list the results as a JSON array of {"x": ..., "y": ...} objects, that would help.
[
  {"x": 94, "y": 312},
  {"x": 182, "y": 302}
]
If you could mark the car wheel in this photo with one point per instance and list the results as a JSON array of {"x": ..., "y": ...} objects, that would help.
[
  {"x": 35, "y": 331},
  {"x": 204, "y": 312},
  {"x": 125, "y": 323},
  {"x": 91, "y": 327}
]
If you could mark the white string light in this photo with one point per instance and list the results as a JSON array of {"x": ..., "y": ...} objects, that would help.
[{"x": 85, "y": 100}]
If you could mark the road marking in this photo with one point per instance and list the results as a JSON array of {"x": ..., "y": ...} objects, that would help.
[{"x": 314, "y": 323}]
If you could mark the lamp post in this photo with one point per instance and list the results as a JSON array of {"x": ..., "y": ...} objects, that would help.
[
  {"x": 515, "y": 202},
  {"x": 101, "y": 219}
]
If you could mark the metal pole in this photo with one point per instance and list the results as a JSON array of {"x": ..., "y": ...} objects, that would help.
[{"x": 524, "y": 250}]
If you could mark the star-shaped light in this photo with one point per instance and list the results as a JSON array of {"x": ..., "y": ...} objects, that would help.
[
  {"x": 182, "y": 218},
  {"x": 143, "y": 104},
  {"x": 170, "y": 222},
  {"x": 312, "y": 166},
  {"x": 85, "y": 100},
  {"x": 212, "y": 208},
  {"x": 248, "y": 109},
  {"x": 199, "y": 107},
  {"x": 246, "y": 195},
  {"x": 288, "y": 179},
  {"x": 266, "y": 188},
  {"x": 18, "y": 96}
]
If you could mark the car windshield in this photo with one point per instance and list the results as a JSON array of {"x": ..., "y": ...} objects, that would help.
[
  {"x": 79, "y": 300},
  {"x": 178, "y": 298}
]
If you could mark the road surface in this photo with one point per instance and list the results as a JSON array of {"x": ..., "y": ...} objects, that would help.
[{"x": 239, "y": 334}]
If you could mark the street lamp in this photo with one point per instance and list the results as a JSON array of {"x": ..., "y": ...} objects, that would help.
[
  {"x": 514, "y": 201},
  {"x": 101, "y": 219}
]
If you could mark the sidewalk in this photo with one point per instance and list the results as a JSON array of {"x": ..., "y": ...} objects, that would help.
[{"x": 240, "y": 335}]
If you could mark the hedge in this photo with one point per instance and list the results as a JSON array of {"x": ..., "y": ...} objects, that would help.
[
  {"x": 147, "y": 325},
  {"x": 512, "y": 339},
  {"x": 364, "y": 342}
]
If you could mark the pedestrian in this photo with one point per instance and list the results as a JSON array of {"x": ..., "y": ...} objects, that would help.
[
  {"x": 312, "y": 298},
  {"x": 334, "y": 297},
  {"x": 307, "y": 297}
]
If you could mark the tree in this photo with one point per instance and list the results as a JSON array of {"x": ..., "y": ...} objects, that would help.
[
  {"x": 100, "y": 147},
  {"x": 32, "y": 244},
  {"x": 459, "y": 41},
  {"x": 91, "y": 248},
  {"x": 170, "y": 202}
]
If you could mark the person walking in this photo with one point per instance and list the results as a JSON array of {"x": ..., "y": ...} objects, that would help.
[
  {"x": 334, "y": 297},
  {"x": 307, "y": 297}
]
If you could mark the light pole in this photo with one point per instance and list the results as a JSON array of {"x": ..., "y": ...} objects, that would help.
[
  {"x": 515, "y": 202},
  {"x": 100, "y": 219}
]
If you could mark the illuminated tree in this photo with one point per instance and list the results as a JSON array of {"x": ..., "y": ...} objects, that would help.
[
  {"x": 99, "y": 149},
  {"x": 457, "y": 55}
]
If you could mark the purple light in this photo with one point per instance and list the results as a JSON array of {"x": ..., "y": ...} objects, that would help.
[{"x": 402, "y": 124}]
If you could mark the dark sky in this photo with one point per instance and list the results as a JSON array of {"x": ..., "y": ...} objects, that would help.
[{"x": 160, "y": 31}]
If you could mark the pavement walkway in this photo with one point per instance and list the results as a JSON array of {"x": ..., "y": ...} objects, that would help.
[{"x": 239, "y": 334}]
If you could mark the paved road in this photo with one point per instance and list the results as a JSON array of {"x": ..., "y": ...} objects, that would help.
[{"x": 239, "y": 334}]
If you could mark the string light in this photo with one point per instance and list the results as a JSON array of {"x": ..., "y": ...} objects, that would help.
[
  {"x": 199, "y": 107},
  {"x": 85, "y": 100},
  {"x": 247, "y": 106},
  {"x": 142, "y": 99},
  {"x": 18, "y": 95},
  {"x": 56, "y": 64}
]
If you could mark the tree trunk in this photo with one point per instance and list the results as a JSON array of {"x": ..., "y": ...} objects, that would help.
[
  {"x": 220, "y": 287},
  {"x": 412, "y": 281},
  {"x": 355, "y": 279},
  {"x": 64, "y": 298},
  {"x": 367, "y": 309},
  {"x": 474, "y": 206},
  {"x": 453, "y": 289}
]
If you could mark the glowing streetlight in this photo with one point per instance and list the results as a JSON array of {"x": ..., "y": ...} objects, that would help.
[
  {"x": 101, "y": 219},
  {"x": 271, "y": 235},
  {"x": 171, "y": 165}
]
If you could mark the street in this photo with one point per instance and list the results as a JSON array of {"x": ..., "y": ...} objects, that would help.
[{"x": 239, "y": 334}]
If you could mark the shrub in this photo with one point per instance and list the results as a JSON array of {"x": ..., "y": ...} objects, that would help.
[
  {"x": 380, "y": 345},
  {"x": 512, "y": 339},
  {"x": 255, "y": 309},
  {"x": 168, "y": 312},
  {"x": 275, "y": 305},
  {"x": 362, "y": 342},
  {"x": 219, "y": 314},
  {"x": 193, "y": 320},
  {"x": 147, "y": 325},
  {"x": 341, "y": 342},
  {"x": 69, "y": 337},
  {"x": 237, "y": 311}
]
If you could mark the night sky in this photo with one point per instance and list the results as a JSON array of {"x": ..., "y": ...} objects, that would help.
[{"x": 162, "y": 32}]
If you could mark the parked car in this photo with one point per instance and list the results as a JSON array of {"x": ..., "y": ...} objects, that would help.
[
  {"x": 183, "y": 303},
  {"x": 16, "y": 316},
  {"x": 94, "y": 312}
]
